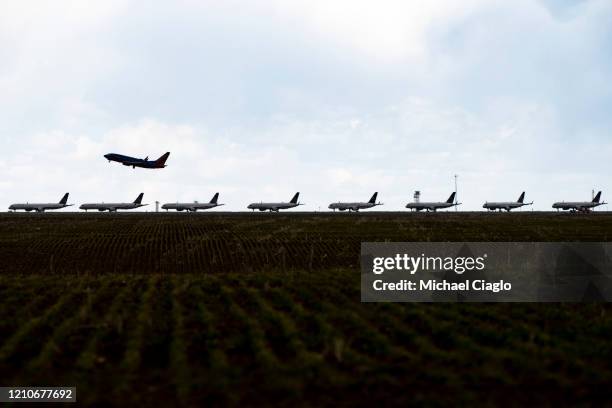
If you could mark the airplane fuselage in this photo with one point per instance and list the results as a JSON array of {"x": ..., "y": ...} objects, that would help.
[
  {"x": 504, "y": 205},
  {"x": 133, "y": 161},
  {"x": 111, "y": 207},
  {"x": 584, "y": 206},
  {"x": 193, "y": 207},
  {"x": 351, "y": 206},
  {"x": 38, "y": 207},
  {"x": 271, "y": 206},
  {"x": 429, "y": 206}
]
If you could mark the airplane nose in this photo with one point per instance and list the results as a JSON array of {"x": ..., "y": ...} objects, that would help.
[{"x": 106, "y": 156}]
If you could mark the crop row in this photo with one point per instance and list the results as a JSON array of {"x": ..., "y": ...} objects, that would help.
[
  {"x": 293, "y": 335},
  {"x": 211, "y": 243},
  {"x": 173, "y": 253}
]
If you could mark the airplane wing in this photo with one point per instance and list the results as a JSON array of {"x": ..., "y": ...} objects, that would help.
[{"x": 132, "y": 163}]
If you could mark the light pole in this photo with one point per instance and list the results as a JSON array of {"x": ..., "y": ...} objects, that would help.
[{"x": 456, "y": 195}]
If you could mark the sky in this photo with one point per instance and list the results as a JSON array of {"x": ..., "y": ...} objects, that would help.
[{"x": 335, "y": 99}]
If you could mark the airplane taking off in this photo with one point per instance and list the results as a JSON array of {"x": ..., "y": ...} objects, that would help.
[
  {"x": 113, "y": 207},
  {"x": 193, "y": 206},
  {"x": 134, "y": 162},
  {"x": 41, "y": 207},
  {"x": 582, "y": 206},
  {"x": 275, "y": 206},
  {"x": 355, "y": 206},
  {"x": 507, "y": 205},
  {"x": 433, "y": 206}
]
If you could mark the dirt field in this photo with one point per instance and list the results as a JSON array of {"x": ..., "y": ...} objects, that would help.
[{"x": 214, "y": 309}]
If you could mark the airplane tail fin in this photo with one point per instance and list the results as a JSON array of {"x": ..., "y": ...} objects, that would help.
[
  {"x": 162, "y": 160},
  {"x": 215, "y": 198},
  {"x": 451, "y": 199},
  {"x": 139, "y": 199},
  {"x": 597, "y": 197},
  {"x": 373, "y": 198},
  {"x": 64, "y": 199},
  {"x": 521, "y": 198},
  {"x": 294, "y": 200}
]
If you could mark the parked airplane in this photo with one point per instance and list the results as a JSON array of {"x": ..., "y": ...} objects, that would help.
[
  {"x": 582, "y": 206},
  {"x": 355, "y": 206},
  {"x": 113, "y": 207},
  {"x": 42, "y": 207},
  {"x": 507, "y": 205},
  {"x": 134, "y": 162},
  {"x": 275, "y": 206},
  {"x": 433, "y": 206},
  {"x": 193, "y": 206}
]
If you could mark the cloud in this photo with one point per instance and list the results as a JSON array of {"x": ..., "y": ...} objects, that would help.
[{"x": 387, "y": 31}]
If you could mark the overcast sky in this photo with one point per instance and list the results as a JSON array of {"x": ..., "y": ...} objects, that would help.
[{"x": 336, "y": 99}]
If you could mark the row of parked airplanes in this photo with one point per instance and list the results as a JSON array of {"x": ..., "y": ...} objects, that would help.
[
  {"x": 160, "y": 163},
  {"x": 579, "y": 206}
]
